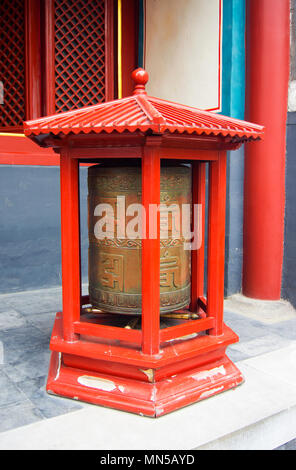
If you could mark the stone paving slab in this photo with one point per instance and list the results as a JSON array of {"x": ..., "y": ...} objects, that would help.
[
  {"x": 259, "y": 414},
  {"x": 11, "y": 319},
  {"x": 262, "y": 345},
  {"x": 18, "y": 416},
  {"x": 26, "y": 321},
  {"x": 269, "y": 312}
]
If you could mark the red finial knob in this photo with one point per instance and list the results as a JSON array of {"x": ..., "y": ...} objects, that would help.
[{"x": 140, "y": 77}]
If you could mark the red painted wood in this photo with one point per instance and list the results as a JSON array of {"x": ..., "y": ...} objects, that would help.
[
  {"x": 188, "y": 364},
  {"x": 130, "y": 19},
  {"x": 33, "y": 60},
  {"x": 143, "y": 374},
  {"x": 112, "y": 152},
  {"x": 268, "y": 24},
  {"x": 150, "y": 252},
  {"x": 49, "y": 55},
  {"x": 106, "y": 367},
  {"x": 197, "y": 256},
  {"x": 187, "y": 153},
  {"x": 186, "y": 328},
  {"x": 12, "y": 64},
  {"x": 109, "y": 50},
  {"x": 135, "y": 152},
  {"x": 105, "y": 331},
  {"x": 171, "y": 353},
  {"x": 138, "y": 396},
  {"x": 22, "y": 151},
  {"x": 70, "y": 234},
  {"x": 216, "y": 241}
]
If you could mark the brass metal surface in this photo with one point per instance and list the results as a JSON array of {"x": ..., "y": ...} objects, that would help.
[{"x": 115, "y": 263}]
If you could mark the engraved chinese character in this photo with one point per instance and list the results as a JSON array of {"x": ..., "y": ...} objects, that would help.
[{"x": 111, "y": 271}]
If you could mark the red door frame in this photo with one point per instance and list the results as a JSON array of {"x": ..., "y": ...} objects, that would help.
[{"x": 15, "y": 148}]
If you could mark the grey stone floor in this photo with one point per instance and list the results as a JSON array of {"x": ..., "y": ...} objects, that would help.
[{"x": 26, "y": 321}]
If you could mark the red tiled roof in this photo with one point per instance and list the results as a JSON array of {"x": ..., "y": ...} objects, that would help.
[{"x": 144, "y": 113}]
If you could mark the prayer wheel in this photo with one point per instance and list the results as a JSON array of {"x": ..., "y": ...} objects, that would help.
[{"x": 115, "y": 258}]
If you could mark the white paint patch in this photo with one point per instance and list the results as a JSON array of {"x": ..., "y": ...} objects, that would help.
[
  {"x": 181, "y": 397},
  {"x": 193, "y": 335},
  {"x": 209, "y": 374},
  {"x": 59, "y": 367},
  {"x": 159, "y": 411},
  {"x": 121, "y": 388},
  {"x": 96, "y": 382},
  {"x": 211, "y": 392},
  {"x": 292, "y": 96},
  {"x": 153, "y": 394}
]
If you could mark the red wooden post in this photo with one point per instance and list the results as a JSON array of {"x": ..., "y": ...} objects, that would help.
[
  {"x": 197, "y": 256},
  {"x": 109, "y": 52},
  {"x": 268, "y": 24},
  {"x": 49, "y": 55},
  {"x": 216, "y": 241},
  {"x": 33, "y": 68},
  {"x": 70, "y": 233},
  {"x": 150, "y": 252}
]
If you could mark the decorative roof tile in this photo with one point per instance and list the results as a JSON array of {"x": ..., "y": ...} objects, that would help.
[{"x": 144, "y": 113}]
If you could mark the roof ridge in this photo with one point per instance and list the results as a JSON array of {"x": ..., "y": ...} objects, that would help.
[{"x": 157, "y": 120}]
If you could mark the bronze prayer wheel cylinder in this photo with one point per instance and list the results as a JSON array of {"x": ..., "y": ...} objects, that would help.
[{"x": 115, "y": 263}]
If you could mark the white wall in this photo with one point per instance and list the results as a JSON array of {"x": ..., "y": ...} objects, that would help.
[{"x": 182, "y": 51}]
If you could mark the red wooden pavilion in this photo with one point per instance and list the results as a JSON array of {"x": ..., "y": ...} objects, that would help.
[{"x": 151, "y": 371}]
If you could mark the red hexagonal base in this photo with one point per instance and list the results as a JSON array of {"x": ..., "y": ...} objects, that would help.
[{"x": 152, "y": 391}]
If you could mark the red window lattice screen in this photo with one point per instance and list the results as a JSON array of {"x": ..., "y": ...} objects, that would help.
[
  {"x": 79, "y": 53},
  {"x": 12, "y": 63}
]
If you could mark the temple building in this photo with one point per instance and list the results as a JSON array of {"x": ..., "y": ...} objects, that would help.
[{"x": 213, "y": 85}]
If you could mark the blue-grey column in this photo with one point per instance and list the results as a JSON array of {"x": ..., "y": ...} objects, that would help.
[{"x": 233, "y": 104}]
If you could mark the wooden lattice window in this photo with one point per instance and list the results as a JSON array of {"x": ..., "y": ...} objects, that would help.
[
  {"x": 12, "y": 64},
  {"x": 55, "y": 55},
  {"x": 79, "y": 53}
]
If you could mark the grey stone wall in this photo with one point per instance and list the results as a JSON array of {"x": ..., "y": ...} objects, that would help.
[
  {"x": 30, "y": 246},
  {"x": 289, "y": 264},
  {"x": 234, "y": 222}
]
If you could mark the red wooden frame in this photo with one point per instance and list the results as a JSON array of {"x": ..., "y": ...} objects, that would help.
[
  {"x": 153, "y": 370},
  {"x": 13, "y": 37},
  {"x": 151, "y": 336},
  {"x": 216, "y": 241},
  {"x": 129, "y": 43},
  {"x": 33, "y": 59},
  {"x": 150, "y": 251},
  {"x": 48, "y": 51},
  {"x": 198, "y": 256},
  {"x": 150, "y": 355}
]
